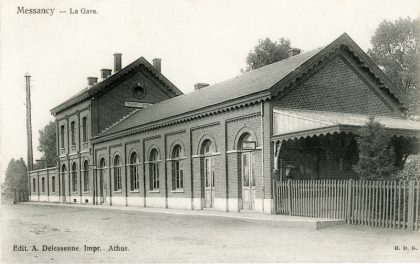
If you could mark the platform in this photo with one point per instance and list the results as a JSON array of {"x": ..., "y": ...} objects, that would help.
[{"x": 278, "y": 220}]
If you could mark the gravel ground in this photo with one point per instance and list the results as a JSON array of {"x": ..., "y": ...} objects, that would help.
[{"x": 155, "y": 237}]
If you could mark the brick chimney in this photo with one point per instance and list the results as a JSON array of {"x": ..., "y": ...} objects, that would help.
[
  {"x": 198, "y": 86},
  {"x": 92, "y": 81},
  {"x": 293, "y": 52},
  {"x": 157, "y": 64},
  {"x": 105, "y": 73},
  {"x": 117, "y": 62}
]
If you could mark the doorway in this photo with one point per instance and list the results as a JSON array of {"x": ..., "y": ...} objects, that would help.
[
  {"x": 248, "y": 181},
  {"x": 209, "y": 182},
  {"x": 102, "y": 186},
  {"x": 207, "y": 149}
]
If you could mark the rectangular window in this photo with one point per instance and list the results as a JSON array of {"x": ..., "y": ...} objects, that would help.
[
  {"x": 181, "y": 179},
  {"x": 86, "y": 180},
  {"x": 74, "y": 181},
  {"x": 73, "y": 140},
  {"x": 53, "y": 184},
  {"x": 117, "y": 178},
  {"x": 43, "y": 185},
  {"x": 84, "y": 129},
  {"x": 33, "y": 185},
  {"x": 62, "y": 136},
  {"x": 177, "y": 175},
  {"x": 154, "y": 172},
  {"x": 134, "y": 177}
]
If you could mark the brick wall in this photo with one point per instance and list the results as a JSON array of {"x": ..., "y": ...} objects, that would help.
[
  {"x": 336, "y": 87},
  {"x": 110, "y": 107},
  {"x": 223, "y": 130}
]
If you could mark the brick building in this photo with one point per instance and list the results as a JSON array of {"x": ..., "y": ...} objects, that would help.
[{"x": 134, "y": 139}]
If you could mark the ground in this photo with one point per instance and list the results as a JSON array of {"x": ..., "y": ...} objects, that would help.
[{"x": 158, "y": 237}]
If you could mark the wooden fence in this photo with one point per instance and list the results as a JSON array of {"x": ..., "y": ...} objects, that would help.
[{"x": 391, "y": 204}]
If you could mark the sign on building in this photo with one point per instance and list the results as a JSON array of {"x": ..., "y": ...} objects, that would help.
[
  {"x": 136, "y": 104},
  {"x": 249, "y": 145}
]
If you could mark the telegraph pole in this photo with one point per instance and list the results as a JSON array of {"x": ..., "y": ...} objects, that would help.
[{"x": 28, "y": 121}]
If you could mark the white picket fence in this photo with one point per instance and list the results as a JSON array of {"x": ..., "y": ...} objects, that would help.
[{"x": 390, "y": 204}]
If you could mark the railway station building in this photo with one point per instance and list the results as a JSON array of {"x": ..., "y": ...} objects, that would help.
[{"x": 134, "y": 139}]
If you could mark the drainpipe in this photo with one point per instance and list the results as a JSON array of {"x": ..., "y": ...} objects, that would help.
[{"x": 262, "y": 154}]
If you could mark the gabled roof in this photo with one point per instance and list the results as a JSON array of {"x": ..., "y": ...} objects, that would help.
[
  {"x": 250, "y": 83},
  {"x": 90, "y": 92}
]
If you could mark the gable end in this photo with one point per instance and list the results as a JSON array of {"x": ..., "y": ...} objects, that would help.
[{"x": 338, "y": 85}]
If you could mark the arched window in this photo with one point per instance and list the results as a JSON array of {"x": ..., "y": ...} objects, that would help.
[
  {"x": 117, "y": 173},
  {"x": 246, "y": 142},
  {"x": 86, "y": 176},
  {"x": 177, "y": 171},
  {"x": 154, "y": 170},
  {"x": 134, "y": 172},
  {"x": 102, "y": 164},
  {"x": 74, "y": 177},
  {"x": 206, "y": 147}
]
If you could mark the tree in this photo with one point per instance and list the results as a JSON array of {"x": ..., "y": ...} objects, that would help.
[
  {"x": 376, "y": 156},
  {"x": 411, "y": 170},
  {"x": 396, "y": 47},
  {"x": 16, "y": 177},
  {"x": 267, "y": 52},
  {"x": 47, "y": 144}
]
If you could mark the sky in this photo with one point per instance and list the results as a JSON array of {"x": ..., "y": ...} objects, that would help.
[{"x": 198, "y": 41}]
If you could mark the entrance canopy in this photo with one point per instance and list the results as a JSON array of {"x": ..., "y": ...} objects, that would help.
[{"x": 295, "y": 124}]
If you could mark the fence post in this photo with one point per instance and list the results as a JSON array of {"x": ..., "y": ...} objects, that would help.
[
  {"x": 349, "y": 197},
  {"x": 410, "y": 205},
  {"x": 289, "y": 196},
  {"x": 275, "y": 211}
]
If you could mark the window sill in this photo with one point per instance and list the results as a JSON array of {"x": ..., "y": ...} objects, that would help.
[
  {"x": 86, "y": 192},
  {"x": 177, "y": 191},
  {"x": 154, "y": 191},
  {"x": 135, "y": 191},
  {"x": 119, "y": 191},
  {"x": 74, "y": 192}
]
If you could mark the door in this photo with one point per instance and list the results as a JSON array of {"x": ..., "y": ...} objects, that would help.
[
  {"x": 209, "y": 182},
  {"x": 248, "y": 181}
]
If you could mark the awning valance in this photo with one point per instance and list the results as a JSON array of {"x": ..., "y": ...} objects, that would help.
[{"x": 295, "y": 124}]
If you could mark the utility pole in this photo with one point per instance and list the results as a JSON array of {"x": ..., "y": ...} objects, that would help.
[{"x": 28, "y": 121}]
